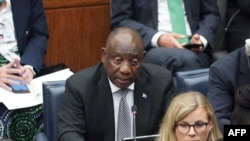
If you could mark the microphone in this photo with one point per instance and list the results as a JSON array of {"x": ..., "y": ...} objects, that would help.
[{"x": 134, "y": 112}]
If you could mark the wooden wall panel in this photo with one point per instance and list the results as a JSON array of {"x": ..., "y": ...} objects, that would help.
[
  {"x": 77, "y": 32},
  {"x": 73, "y": 3}
]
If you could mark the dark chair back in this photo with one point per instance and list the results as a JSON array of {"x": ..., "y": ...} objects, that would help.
[
  {"x": 196, "y": 80},
  {"x": 53, "y": 92}
]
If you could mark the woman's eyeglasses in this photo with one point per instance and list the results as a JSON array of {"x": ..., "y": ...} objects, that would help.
[{"x": 198, "y": 127}]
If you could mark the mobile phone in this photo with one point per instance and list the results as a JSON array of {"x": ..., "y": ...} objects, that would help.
[
  {"x": 190, "y": 46},
  {"x": 19, "y": 88}
]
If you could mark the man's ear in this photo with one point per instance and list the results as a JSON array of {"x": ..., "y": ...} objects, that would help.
[{"x": 103, "y": 54}]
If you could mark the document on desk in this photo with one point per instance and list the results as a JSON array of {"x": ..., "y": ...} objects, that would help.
[{"x": 16, "y": 101}]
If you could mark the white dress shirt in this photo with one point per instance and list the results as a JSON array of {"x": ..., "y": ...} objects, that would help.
[
  {"x": 116, "y": 102},
  {"x": 164, "y": 23},
  {"x": 7, "y": 29}
]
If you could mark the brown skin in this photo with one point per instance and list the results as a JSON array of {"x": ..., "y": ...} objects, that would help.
[{"x": 123, "y": 57}]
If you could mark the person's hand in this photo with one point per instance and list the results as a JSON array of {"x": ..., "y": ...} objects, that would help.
[
  {"x": 26, "y": 72},
  {"x": 8, "y": 75},
  {"x": 196, "y": 40},
  {"x": 170, "y": 40}
]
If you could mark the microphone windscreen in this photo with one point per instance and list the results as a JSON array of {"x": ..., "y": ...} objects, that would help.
[{"x": 134, "y": 109}]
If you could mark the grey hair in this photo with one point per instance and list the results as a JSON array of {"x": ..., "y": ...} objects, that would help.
[{"x": 247, "y": 47}]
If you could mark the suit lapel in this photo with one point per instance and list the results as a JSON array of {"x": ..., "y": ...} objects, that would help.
[
  {"x": 143, "y": 101},
  {"x": 154, "y": 10},
  {"x": 105, "y": 106},
  {"x": 19, "y": 20},
  {"x": 188, "y": 6}
]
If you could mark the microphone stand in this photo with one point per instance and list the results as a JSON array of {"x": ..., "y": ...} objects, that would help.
[{"x": 134, "y": 112}]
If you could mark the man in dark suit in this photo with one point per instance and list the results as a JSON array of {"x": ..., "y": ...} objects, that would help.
[
  {"x": 89, "y": 109},
  {"x": 226, "y": 75},
  {"x": 151, "y": 19}
]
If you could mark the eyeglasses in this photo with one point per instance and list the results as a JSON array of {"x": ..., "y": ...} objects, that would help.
[{"x": 198, "y": 127}]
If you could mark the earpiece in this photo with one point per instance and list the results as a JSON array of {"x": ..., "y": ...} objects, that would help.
[{"x": 247, "y": 47}]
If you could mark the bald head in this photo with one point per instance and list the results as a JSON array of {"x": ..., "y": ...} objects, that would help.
[{"x": 124, "y": 35}]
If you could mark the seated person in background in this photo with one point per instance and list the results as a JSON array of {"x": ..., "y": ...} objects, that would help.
[
  {"x": 23, "y": 44},
  {"x": 91, "y": 102},
  {"x": 189, "y": 117},
  {"x": 241, "y": 112},
  {"x": 25, "y": 38},
  {"x": 226, "y": 75},
  {"x": 238, "y": 21},
  {"x": 163, "y": 38}
]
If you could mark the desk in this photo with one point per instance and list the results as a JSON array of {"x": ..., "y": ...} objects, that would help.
[{"x": 22, "y": 124}]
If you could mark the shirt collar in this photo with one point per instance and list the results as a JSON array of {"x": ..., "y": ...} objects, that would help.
[{"x": 114, "y": 88}]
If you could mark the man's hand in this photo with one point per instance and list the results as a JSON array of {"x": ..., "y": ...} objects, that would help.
[
  {"x": 170, "y": 40},
  {"x": 196, "y": 40}
]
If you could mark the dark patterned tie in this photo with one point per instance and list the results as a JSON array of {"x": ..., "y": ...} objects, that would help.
[{"x": 124, "y": 123}]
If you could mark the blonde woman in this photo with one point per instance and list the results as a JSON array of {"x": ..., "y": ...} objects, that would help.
[{"x": 189, "y": 117}]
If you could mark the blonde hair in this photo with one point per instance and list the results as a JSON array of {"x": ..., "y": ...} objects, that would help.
[{"x": 180, "y": 107}]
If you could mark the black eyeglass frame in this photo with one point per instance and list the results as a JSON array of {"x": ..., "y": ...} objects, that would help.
[{"x": 193, "y": 125}]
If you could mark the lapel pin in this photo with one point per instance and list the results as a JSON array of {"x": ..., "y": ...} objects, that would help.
[{"x": 144, "y": 96}]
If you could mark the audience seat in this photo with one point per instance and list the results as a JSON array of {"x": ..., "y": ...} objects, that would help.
[
  {"x": 196, "y": 80},
  {"x": 53, "y": 92}
]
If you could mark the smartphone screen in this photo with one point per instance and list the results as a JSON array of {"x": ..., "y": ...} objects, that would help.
[
  {"x": 190, "y": 46},
  {"x": 20, "y": 88}
]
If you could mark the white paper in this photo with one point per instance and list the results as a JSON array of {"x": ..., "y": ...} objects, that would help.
[{"x": 15, "y": 101}]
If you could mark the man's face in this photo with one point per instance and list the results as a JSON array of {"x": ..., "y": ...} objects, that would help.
[{"x": 122, "y": 60}]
